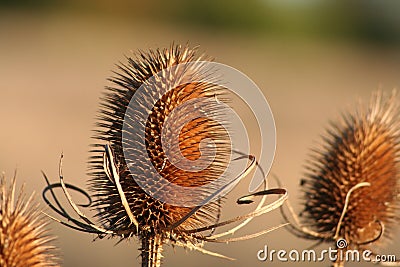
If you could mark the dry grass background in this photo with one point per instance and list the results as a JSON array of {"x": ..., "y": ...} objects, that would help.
[{"x": 53, "y": 68}]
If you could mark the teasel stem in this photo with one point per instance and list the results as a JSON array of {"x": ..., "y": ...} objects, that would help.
[
  {"x": 151, "y": 251},
  {"x": 338, "y": 262}
]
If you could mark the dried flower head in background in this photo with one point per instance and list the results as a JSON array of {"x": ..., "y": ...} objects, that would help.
[
  {"x": 135, "y": 179},
  {"x": 24, "y": 238},
  {"x": 352, "y": 185}
]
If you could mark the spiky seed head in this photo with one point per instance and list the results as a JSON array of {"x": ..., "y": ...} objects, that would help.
[
  {"x": 363, "y": 148},
  {"x": 24, "y": 238},
  {"x": 153, "y": 215}
]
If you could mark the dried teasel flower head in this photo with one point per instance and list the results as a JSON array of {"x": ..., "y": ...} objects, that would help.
[
  {"x": 352, "y": 186},
  {"x": 143, "y": 152},
  {"x": 24, "y": 238},
  {"x": 160, "y": 162}
]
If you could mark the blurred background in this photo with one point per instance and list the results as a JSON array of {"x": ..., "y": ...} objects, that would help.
[{"x": 312, "y": 59}]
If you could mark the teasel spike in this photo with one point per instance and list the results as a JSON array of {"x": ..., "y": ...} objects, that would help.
[
  {"x": 122, "y": 206},
  {"x": 24, "y": 236},
  {"x": 352, "y": 182}
]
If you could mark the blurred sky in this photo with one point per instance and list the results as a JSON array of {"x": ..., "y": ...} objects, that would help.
[{"x": 312, "y": 59}]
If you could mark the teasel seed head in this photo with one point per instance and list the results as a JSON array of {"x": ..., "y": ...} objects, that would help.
[
  {"x": 352, "y": 186},
  {"x": 155, "y": 219},
  {"x": 161, "y": 162},
  {"x": 24, "y": 237}
]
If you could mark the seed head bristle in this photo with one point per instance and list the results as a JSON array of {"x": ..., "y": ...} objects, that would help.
[
  {"x": 352, "y": 186},
  {"x": 24, "y": 238}
]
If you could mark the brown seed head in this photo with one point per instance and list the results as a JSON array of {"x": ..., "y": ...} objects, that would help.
[
  {"x": 359, "y": 160},
  {"x": 161, "y": 160},
  {"x": 24, "y": 239},
  {"x": 155, "y": 216}
]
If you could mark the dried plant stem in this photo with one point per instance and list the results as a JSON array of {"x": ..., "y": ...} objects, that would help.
[
  {"x": 338, "y": 263},
  {"x": 151, "y": 251}
]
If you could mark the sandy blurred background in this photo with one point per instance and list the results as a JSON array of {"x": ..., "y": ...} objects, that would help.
[{"x": 312, "y": 61}]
